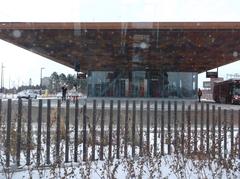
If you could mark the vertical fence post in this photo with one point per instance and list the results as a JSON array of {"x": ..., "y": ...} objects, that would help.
[
  {"x": 201, "y": 130},
  {"x": 67, "y": 132},
  {"x": 207, "y": 128},
  {"x": 48, "y": 131},
  {"x": 0, "y": 112},
  {"x": 110, "y": 131},
  {"x": 118, "y": 127},
  {"x": 126, "y": 131},
  {"x": 189, "y": 129},
  {"x": 195, "y": 126},
  {"x": 169, "y": 127},
  {"x": 29, "y": 131},
  {"x": 19, "y": 126},
  {"x": 176, "y": 143},
  {"x": 219, "y": 133},
  {"x": 102, "y": 130},
  {"x": 39, "y": 136},
  {"x": 94, "y": 130},
  {"x": 239, "y": 134},
  {"x": 8, "y": 138},
  {"x": 213, "y": 132},
  {"x": 155, "y": 128},
  {"x": 225, "y": 132},
  {"x": 1, "y": 116},
  {"x": 133, "y": 128},
  {"x": 162, "y": 129},
  {"x": 183, "y": 127},
  {"x": 148, "y": 127},
  {"x": 85, "y": 154},
  {"x": 232, "y": 134},
  {"x": 58, "y": 131},
  {"x": 76, "y": 131},
  {"x": 141, "y": 129}
]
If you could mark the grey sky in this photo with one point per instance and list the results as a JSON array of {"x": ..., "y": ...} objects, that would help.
[
  {"x": 119, "y": 10},
  {"x": 98, "y": 11}
]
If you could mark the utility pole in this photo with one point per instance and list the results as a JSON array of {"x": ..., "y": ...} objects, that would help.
[
  {"x": 30, "y": 82},
  {"x": 9, "y": 85}
]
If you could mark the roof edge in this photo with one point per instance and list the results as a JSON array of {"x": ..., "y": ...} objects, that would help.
[{"x": 119, "y": 25}]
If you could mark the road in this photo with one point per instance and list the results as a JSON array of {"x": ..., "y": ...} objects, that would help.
[{"x": 89, "y": 102}]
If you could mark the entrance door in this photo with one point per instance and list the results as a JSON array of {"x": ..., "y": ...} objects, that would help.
[{"x": 154, "y": 88}]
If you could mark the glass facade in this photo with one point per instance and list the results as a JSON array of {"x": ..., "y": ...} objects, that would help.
[{"x": 142, "y": 84}]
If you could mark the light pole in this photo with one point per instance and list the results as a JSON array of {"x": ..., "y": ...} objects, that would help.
[
  {"x": 41, "y": 80},
  {"x": 2, "y": 78}
]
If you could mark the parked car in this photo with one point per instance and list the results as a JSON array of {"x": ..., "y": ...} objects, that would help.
[{"x": 28, "y": 94}]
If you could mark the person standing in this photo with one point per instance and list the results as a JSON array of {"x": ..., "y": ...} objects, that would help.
[
  {"x": 64, "y": 92},
  {"x": 199, "y": 94}
]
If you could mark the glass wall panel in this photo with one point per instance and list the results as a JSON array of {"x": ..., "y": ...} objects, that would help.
[
  {"x": 182, "y": 84},
  {"x": 142, "y": 84},
  {"x": 138, "y": 83}
]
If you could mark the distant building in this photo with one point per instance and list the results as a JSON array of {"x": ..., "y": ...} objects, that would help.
[
  {"x": 208, "y": 88},
  {"x": 233, "y": 76}
]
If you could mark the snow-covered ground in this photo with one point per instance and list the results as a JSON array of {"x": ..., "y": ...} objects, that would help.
[{"x": 172, "y": 167}]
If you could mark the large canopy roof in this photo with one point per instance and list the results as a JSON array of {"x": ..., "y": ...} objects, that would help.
[{"x": 171, "y": 46}]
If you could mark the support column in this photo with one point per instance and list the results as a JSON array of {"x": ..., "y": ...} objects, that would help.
[
  {"x": 127, "y": 87},
  {"x": 145, "y": 87}
]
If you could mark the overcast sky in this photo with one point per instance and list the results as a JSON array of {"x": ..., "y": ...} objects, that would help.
[{"x": 20, "y": 65}]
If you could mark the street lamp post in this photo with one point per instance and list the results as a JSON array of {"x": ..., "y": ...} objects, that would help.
[
  {"x": 41, "y": 80},
  {"x": 2, "y": 78}
]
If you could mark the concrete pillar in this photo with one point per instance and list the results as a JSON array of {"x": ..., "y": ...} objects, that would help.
[{"x": 127, "y": 87}]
